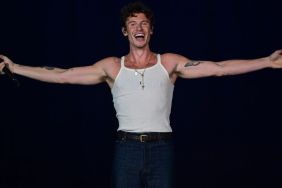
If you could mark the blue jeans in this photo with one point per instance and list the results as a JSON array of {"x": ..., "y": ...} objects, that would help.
[{"x": 143, "y": 165}]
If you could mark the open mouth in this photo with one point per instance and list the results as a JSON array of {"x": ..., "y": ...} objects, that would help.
[{"x": 139, "y": 37}]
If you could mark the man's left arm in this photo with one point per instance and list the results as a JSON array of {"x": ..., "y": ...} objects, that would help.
[{"x": 196, "y": 69}]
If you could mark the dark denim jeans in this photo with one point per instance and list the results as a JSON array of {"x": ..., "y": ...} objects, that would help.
[{"x": 143, "y": 165}]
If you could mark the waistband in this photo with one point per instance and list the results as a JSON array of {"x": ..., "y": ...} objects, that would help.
[{"x": 144, "y": 137}]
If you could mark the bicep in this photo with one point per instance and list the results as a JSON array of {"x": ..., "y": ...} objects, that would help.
[
  {"x": 197, "y": 69},
  {"x": 87, "y": 75}
]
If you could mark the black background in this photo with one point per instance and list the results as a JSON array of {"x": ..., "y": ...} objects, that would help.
[{"x": 227, "y": 130}]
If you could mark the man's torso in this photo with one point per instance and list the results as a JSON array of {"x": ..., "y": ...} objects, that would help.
[{"x": 113, "y": 67}]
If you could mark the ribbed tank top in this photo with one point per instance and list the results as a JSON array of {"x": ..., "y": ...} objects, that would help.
[{"x": 143, "y": 110}]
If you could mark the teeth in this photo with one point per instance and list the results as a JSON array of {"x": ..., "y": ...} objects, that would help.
[{"x": 139, "y": 35}]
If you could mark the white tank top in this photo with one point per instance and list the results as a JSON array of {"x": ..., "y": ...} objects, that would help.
[{"x": 143, "y": 109}]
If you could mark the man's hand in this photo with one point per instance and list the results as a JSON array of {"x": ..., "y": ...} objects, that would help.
[
  {"x": 6, "y": 61},
  {"x": 276, "y": 59}
]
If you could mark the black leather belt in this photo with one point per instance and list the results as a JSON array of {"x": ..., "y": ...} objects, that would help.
[{"x": 143, "y": 137}]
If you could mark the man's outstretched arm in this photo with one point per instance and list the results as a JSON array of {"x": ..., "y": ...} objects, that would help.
[
  {"x": 186, "y": 68},
  {"x": 93, "y": 74}
]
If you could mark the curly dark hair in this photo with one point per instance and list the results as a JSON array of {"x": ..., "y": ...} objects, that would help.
[{"x": 132, "y": 8}]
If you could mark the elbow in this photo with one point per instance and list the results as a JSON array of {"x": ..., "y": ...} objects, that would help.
[
  {"x": 64, "y": 77},
  {"x": 61, "y": 78},
  {"x": 220, "y": 71},
  {"x": 220, "y": 74}
]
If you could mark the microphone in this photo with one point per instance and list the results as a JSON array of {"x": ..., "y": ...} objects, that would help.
[{"x": 10, "y": 75}]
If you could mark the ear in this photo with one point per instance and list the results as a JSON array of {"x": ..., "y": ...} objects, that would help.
[
  {"x": 152, "y": 29},
  {"x": 124, "y": 31}
]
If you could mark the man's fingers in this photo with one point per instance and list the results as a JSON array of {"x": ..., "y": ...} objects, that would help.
[
  {"x": 278, "y": 52},
  {"x": 1, "y": 67},
  {"x": 2, "y": 64}
]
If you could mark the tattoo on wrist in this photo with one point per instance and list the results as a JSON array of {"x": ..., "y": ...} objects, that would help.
[
  {"x": 49, "y": 68},
  {"x": 192, "y": 63}
]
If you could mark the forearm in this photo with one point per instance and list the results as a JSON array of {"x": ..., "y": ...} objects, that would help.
[
  {"x": 233, "y": 67},
  {"x": 45, "y": 74}
]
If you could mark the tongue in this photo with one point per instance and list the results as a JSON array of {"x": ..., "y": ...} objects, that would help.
[{"x": 139, "y": 38}]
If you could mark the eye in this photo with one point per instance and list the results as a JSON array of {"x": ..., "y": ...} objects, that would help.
[
  {"x": 132, "y": 24},
  {"x": 145, "y": 23}
]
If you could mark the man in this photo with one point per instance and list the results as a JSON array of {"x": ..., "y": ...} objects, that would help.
[{"x": 142, "y": 84}]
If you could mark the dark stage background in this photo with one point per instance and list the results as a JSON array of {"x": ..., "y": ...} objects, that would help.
[{"x": 227, "y": 130}]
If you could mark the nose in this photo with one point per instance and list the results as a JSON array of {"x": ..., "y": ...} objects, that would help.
[{"x": 139, "y": 27}]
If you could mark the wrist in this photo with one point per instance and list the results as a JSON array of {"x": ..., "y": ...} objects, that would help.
[
  {"x": 14, "y": 68},
  {"x": 268, "y": 62}
]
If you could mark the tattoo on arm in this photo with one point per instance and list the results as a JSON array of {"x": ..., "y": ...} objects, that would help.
[
  {"x": 49, "y": 68},
  {"x": 192, "y": 63}
]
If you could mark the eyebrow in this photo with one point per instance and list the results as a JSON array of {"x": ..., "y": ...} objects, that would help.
[
  {"x": 147, "y": 21},
  {"x": 130, "y": 22}
]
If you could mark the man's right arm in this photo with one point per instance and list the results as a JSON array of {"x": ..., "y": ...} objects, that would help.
[{"x": 86, "y": 75}]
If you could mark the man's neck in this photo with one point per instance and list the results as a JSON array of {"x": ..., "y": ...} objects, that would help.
[{"x": 139, "y": 56}]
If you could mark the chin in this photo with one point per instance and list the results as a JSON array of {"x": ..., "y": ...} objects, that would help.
[{"x": 141, "y": 46}]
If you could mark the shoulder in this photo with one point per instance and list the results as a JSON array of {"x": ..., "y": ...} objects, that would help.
[
  {"x": 110, "y": 66},
  {"x": 172, "y": 58},
  {"x": 171, "y": 63},
  {"x": 108, "y": 61}
]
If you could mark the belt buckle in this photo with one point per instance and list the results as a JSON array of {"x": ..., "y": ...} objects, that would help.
[{"x": 142, "y": 137}]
